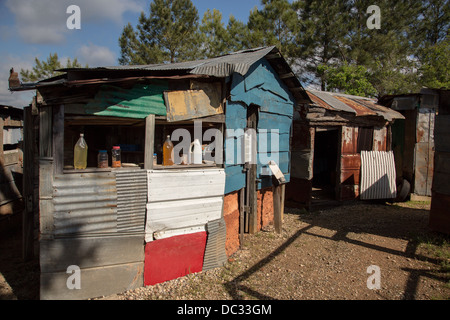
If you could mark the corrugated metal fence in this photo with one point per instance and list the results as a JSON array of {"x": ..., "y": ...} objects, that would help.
[{"x": 378, "y": 175}]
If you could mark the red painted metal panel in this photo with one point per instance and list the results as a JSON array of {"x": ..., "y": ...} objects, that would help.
[{"x": 174, "y": 257}]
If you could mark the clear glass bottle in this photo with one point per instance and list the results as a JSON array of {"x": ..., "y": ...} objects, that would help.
[
  {"x": 80, "y": 153},
  {"x": 102, "y": 159},
  {"x": 168, "y": 152},
  {"x": 116, "y": 157}
]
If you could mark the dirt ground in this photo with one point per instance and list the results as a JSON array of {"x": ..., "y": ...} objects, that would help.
[{"x": 323, "y": 255}]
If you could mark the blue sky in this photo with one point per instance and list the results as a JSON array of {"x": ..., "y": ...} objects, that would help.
[{"x": 36, "y": 28}]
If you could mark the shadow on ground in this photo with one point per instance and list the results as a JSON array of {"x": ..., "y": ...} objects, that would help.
[{"x": 387, "y": 220}]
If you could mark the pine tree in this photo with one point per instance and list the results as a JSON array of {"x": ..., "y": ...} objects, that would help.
[
  {"x": 238, "y": 35},
  {"x": 432, "y": 41},
  {"x": 169, "y": 34},
  {"x": 213, "y": 35},
  {"x": 275, "y": 24},
  {"x": 216, "y": 39},
  {"x": 320, "y": 39},
  {"x": 47, "y": 69}
]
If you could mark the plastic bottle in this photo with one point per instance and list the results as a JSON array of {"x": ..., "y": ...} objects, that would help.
[
  {"x": 115, "y": 157},
  {"x": 195, "y": 152},
  {"x": 102, "y": 159},
  {"x": 155, "y": 159},
  {"x": 80, "y": 153},
  {"x": 168, "y": 156}
]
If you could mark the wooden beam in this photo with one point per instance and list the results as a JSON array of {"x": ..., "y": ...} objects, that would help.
[
  {"x": 28, "y": 186},
  {"x": 149, "y": 141},
  {"x": 58, "y": 139},
  {"x": 45, "y": 132}
]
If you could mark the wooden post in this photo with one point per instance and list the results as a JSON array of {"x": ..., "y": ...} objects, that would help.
[
  {"x": 277, "y": 208},
  {"x": 58, "y": 139},
  {"x": 252, "y": 184},
  {"x": 45, "y": 132},
  {"x": 241, "y": 216},
  {"x": 283, "y": 191},
  {"x": 28, "y": 189},
  {"x": 46, "y": 172},
  {"x": 149, "y": 141},
  {"x": 252, "y": 200}
]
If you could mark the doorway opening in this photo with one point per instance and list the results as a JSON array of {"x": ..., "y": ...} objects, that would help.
[{"x": 326, "y": 144}]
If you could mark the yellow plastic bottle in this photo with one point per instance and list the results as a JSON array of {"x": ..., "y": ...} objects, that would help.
[
  {"x": 80, "y": 153},
  {"x": 168, "y": 156}
]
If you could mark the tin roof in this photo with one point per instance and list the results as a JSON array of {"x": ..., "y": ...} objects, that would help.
[
  {"x": 221, "y": 66},
  {"x": 356, "y": 105}
]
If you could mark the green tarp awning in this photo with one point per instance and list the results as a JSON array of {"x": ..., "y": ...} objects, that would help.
[{"x": 137, "y": 102}]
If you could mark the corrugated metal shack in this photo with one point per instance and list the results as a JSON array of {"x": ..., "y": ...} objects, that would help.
[
  {"x": 11, "y": 166},
  {"x": 413, "y": 139},
  {"x": 146, "y": 223},
  {"x": 340, "y": 150},
  {"x": 440, "y": 200}
]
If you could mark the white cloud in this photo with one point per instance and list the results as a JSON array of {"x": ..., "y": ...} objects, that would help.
[
  {"x": 96, "y": 56},
  {"x": 44, "y": 21}
]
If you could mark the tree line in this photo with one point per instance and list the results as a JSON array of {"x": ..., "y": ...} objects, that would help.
[{"x": 327, "y": 43}]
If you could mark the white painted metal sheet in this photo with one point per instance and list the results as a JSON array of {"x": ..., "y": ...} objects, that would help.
[
  {"x": 377, "y": 175},
  {"x": 180, "y": 199}
]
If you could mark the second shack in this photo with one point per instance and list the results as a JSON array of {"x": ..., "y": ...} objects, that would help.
[{"x": 330, "y": 137}]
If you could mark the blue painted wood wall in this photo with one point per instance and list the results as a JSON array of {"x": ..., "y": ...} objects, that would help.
[{"x": 261, "y": 86}]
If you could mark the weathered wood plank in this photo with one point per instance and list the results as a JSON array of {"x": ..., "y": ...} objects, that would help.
[
  {"x": 45, "y": 131},
  {"x": 58, "y": 139},
  {"x": 149, "y": 141},
  {"x": 277, "y": 209}
]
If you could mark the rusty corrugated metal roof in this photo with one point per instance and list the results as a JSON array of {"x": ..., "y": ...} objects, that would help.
[{"x": 360, "y": 106}]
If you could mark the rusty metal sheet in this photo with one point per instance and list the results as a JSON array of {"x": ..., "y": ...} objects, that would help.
[
  {"x": 380, "y": 139},
  {"x": 192, "y": 104},
  {"x": 383, "y": 111},
  {"x": 423, "y": 168},
  {"x": 359, "y": 109},
  {"x": 318, "y": 101},
  {"x": 331, "y": 100},
  {"x": 425, "y": 125},
  {"x": 350, "y": 169},
  {"x": 349, "y": 140}
]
